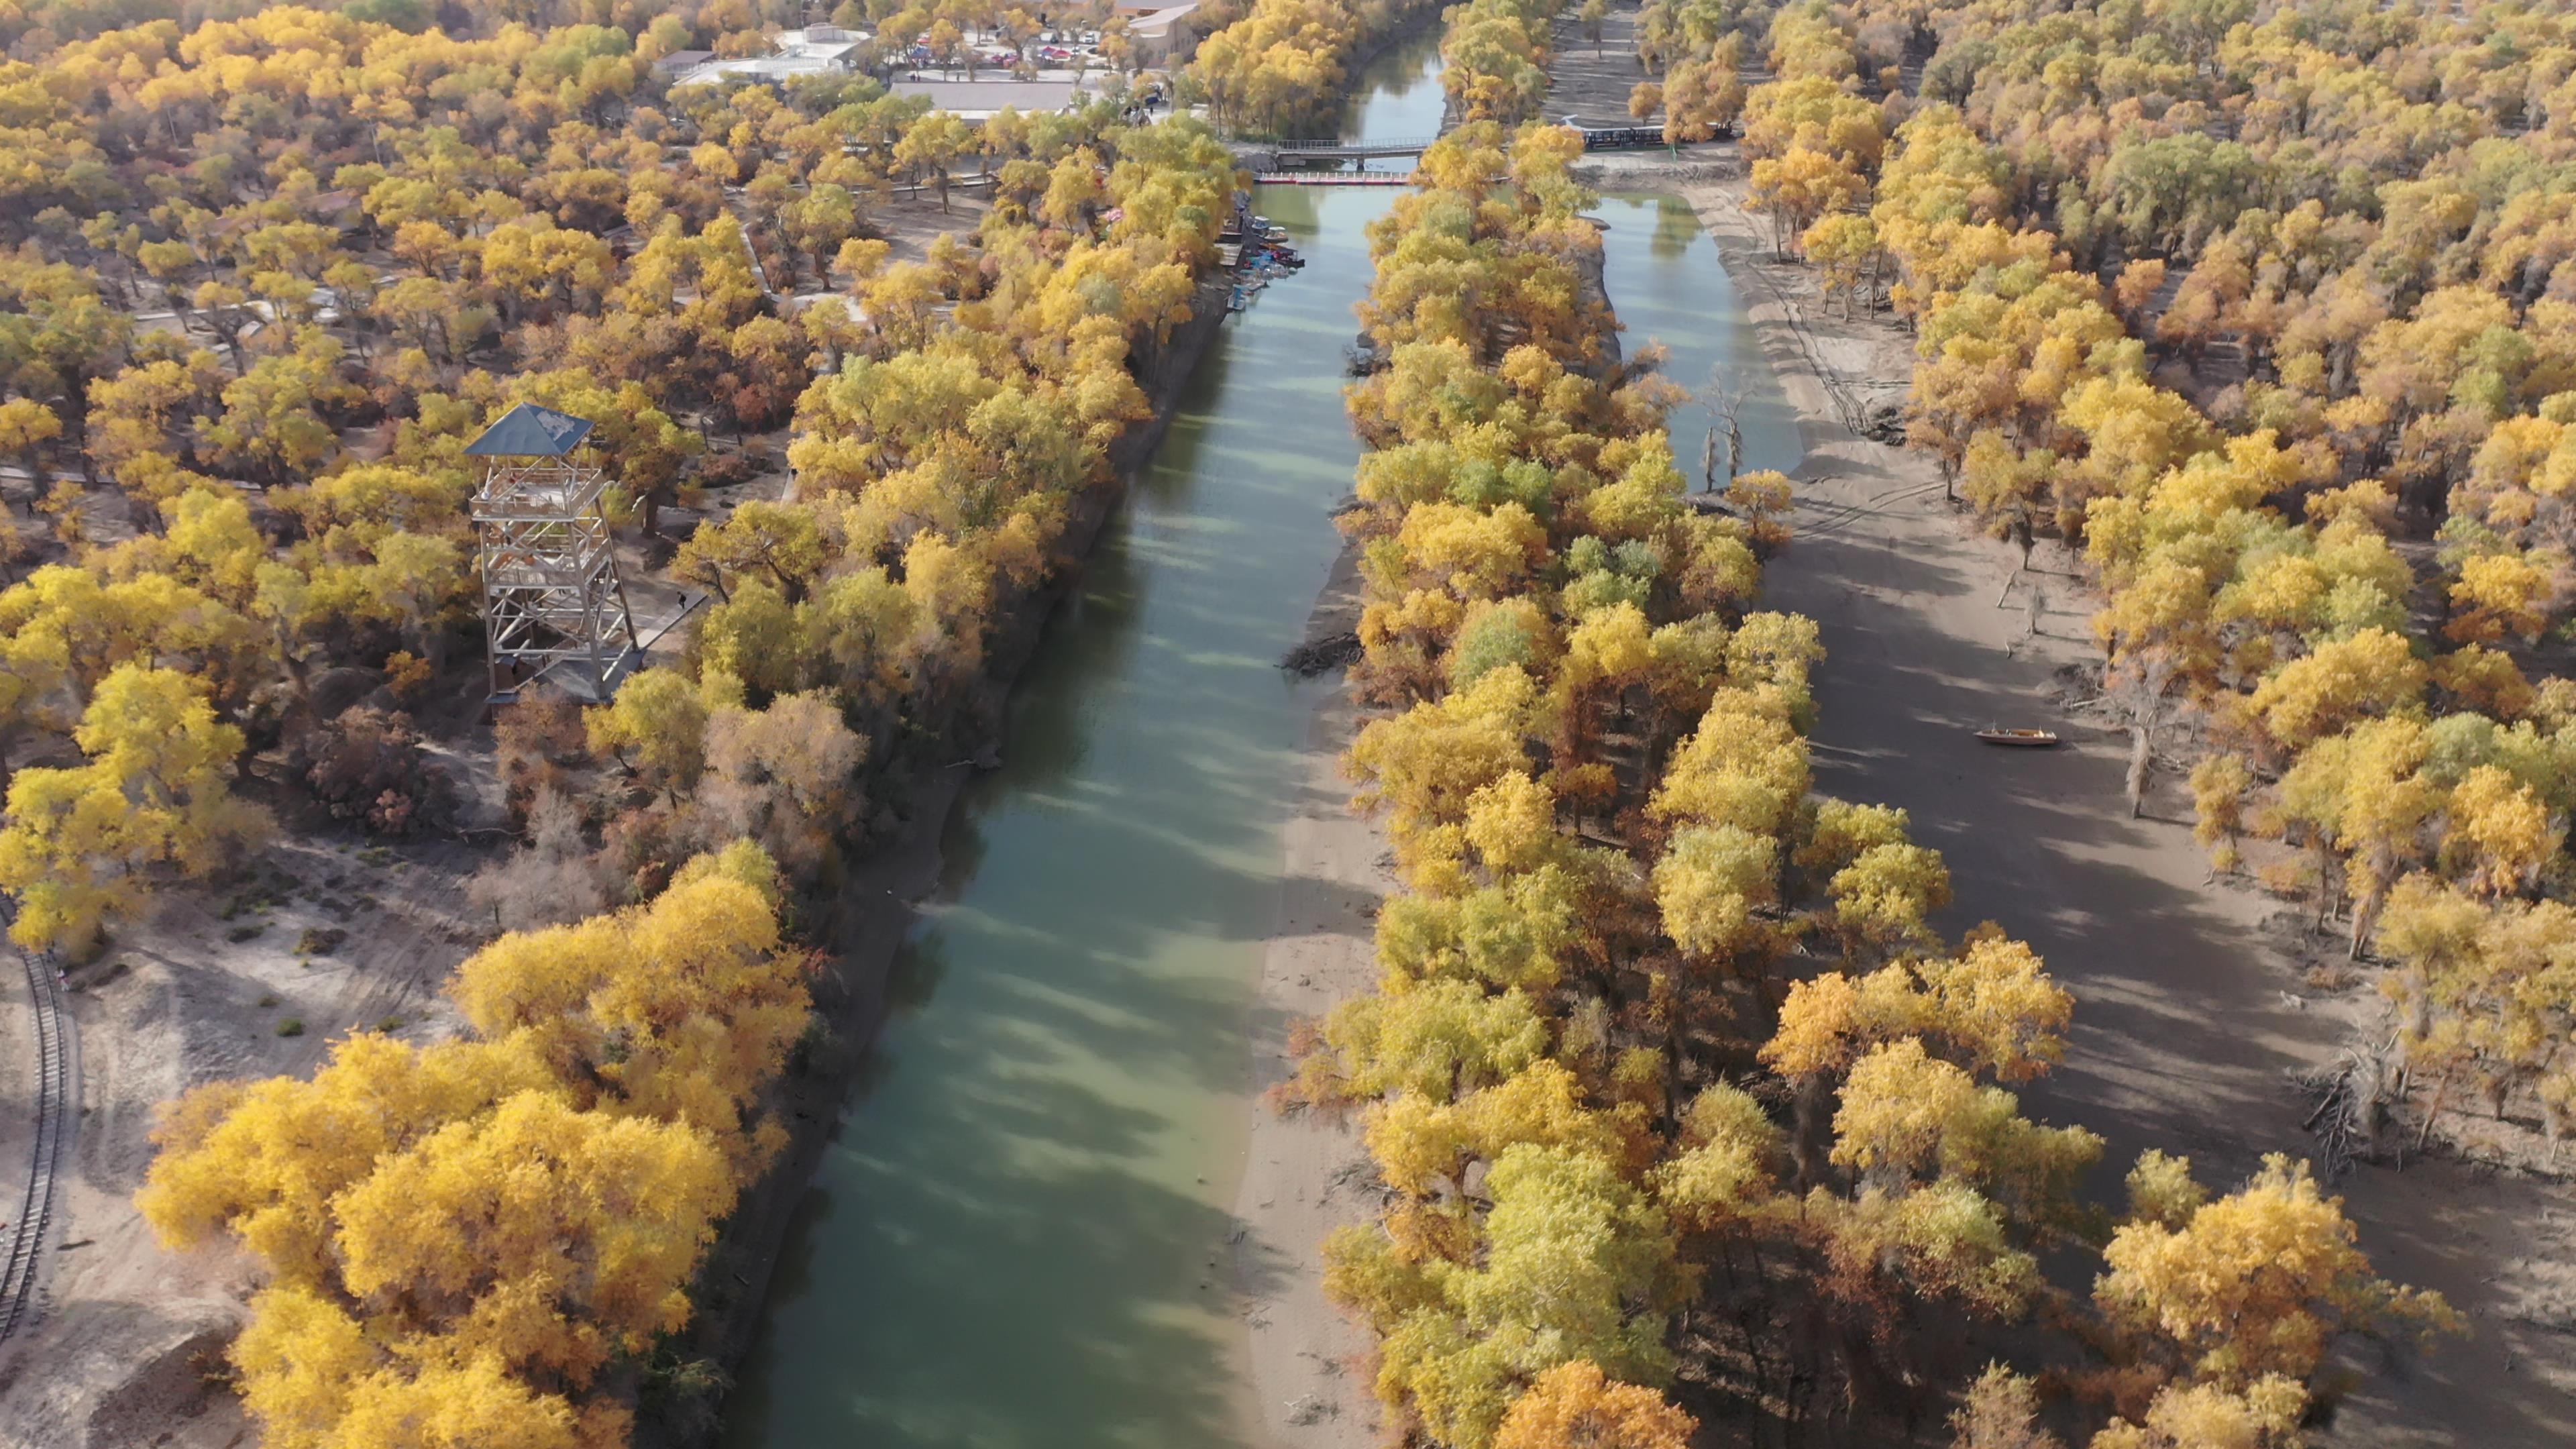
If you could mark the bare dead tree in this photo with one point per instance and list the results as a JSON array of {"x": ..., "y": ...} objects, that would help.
[
  {"x": 2137, "y": 686},
  {"x": 1726, "y": 401}
]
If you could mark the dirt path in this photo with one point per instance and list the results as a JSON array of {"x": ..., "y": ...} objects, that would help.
[
  {"x": 1590, "y": 79},
  {"x": 203, "y": 988},
  {"x": 2188, "y": 1016}
]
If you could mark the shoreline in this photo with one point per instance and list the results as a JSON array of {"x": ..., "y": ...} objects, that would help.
[
  {"x": 869, "y": 917},
  {"x": 1305, "y": 1174},
  {"x": 1308, "y": 1173},
  {"x": 876, "y": 908}
]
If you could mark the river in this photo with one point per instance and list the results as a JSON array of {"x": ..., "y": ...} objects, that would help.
[{"x": 1011, "y": 1242}]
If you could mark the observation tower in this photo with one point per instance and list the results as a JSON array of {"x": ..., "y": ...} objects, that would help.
[{"x": 553, "y": 605}]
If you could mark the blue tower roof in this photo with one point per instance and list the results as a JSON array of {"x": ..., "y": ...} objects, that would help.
[{"x": 529, "y": 431}]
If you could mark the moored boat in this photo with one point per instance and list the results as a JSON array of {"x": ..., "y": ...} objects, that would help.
[{"x": 2026, "y": 739}]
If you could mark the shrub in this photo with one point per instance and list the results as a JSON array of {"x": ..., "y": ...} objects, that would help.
[
  {"x": 539, "y": 740},
  {"x": 406, "y": 674},
  {"x": 367, "y": 765}
]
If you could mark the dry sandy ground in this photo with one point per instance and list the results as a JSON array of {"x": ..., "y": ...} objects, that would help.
[
  {"x": 126, "y": 1338},
  {"x": 1590, "y": 81},
  {"x": 126, "y": 1335},
  {"x": 1308, "y": 1174},
  {"x": 2189, "y": 1015}
]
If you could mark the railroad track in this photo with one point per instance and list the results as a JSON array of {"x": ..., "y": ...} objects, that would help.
[{"x": 55, "y": 1046}]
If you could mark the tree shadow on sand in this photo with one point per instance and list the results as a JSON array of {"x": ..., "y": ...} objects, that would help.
[{"x": 2182, "y": 1038}]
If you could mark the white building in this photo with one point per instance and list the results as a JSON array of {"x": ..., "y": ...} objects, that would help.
[
  {"x": 821, "y": 42},
  {"x": 1163, "y": 37},
  {"x": 981, "y": 100},
  {"x": 815, "y": 50}
]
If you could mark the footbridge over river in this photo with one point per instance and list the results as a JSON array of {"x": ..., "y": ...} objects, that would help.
[
  {"x": 1299, "y": 153},
  {"x": 1294, "y": 154}
]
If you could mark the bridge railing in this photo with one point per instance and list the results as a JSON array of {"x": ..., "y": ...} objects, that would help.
[
  {"x": 1595, "y": 138},
  {"x": 1412, "y": 144},
  {"x": 1621, "y": 138}
]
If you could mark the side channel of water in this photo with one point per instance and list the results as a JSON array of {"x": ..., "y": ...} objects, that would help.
[
  {"x": 1664, "y": 277},
  {"x": 1008, "y": 1245}
]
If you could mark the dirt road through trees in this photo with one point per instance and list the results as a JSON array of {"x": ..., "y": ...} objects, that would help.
[{"x": 2189, "y": 1016}]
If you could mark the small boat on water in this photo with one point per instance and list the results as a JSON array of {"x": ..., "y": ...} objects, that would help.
[{"x": 2025, "y": 739}]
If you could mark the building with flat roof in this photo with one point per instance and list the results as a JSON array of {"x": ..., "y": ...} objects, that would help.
[
  {"x": 1164, "y": 37},
  {"x": 820, "y": 42},
  {"x": 982, "y": 99},
  {"x": 815, "y": 50}
]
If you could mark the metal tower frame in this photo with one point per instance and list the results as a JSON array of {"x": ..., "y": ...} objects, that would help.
[{"x": 553, "y": 602}]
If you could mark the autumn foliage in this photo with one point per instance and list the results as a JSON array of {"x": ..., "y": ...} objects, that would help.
[
  {"x": 1680, "y": 1090},
  {"x": 366, "y": 236},
  {"x": 370, "y": 240},
  {"x": 471, "y": 1233},
  {"x": 2306, "y": 434},
  {"x": 1280, "y": 68}
]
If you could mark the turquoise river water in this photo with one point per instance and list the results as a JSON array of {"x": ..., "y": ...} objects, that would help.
[{"x": 1006, "y": 1245}]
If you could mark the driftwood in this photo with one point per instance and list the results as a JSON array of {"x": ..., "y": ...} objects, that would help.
[
  {"x": 1321, "y": 654},
  {"x": 2349, "y": 1099},
  {"x": 1884, "y": 424}
]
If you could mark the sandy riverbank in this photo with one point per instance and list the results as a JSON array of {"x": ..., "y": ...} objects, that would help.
[
  {"x": 2189, "y": 1012},
  {"x": 1307, "y": 1174}
]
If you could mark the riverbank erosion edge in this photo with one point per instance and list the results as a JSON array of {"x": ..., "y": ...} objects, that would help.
[
  {"x": 870, "y": 916},
  {"x": 1308, "y": 1172}
]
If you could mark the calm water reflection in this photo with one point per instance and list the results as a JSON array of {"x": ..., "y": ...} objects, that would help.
[
  {"x": 1009, "y": 1246},
  {"x": 1665, "y": 279}
]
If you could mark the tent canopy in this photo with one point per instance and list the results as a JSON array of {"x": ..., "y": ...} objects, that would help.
[{"x": 529, "y": 431}]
